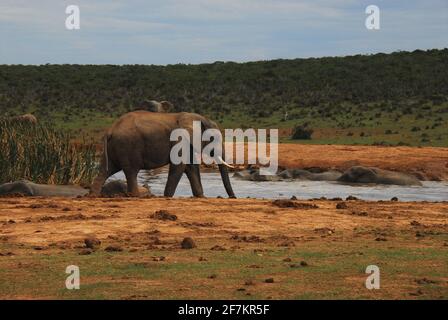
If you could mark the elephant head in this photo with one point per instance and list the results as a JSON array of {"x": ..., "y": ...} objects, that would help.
[{"x": 186, "y": 121}]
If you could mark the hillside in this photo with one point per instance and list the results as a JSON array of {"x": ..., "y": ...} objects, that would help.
[{"x": 399, "y": 98}]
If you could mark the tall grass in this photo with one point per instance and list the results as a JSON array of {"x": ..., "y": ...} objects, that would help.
[{"x": 43, "y": 154}]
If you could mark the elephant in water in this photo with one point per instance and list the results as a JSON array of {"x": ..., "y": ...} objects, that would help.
[
  {"x": 28, "y": 188},
  {"x": 359, "y": 174},
  {"x": 330, "y": 175},
  {"x": 254, "y": 175},
  {"x": 288, "y": 174},
  {"x": 141, "y": 140}
]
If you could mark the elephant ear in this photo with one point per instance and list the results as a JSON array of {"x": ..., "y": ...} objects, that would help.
[{"x": 186, "y": 121}]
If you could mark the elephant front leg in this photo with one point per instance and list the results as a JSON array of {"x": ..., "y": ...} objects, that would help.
[
  {"x": 193, "y": 174},
  {"x": 174, "y": 175}
]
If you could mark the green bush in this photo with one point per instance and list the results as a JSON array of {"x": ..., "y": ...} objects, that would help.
[
  {"x": 302, "y": 133},
  {"x": 43, "y": 155}
]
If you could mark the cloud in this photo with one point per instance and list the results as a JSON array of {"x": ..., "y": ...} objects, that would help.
[{"x": 194, "y": 31}]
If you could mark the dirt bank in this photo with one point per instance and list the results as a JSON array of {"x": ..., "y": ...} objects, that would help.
[
  {"x": 312, "y": 249},
  {"x": 426, "y": 163}
]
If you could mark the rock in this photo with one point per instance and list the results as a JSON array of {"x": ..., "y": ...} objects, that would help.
[
  {"x": 269, "y": 280},
  {"x": 425, "y": 281},
  {"x": 341, "y": 205},
  {"x": 113, "y": 249},
  {"x": 92, "y": 243},
  {"x": 163, "y": 215},
  {"x": 218, "y": 248},
  {"x": 394, "y": 199},
  {"x": 350, "y": 198},
  {"x": 188, "y": 243},
  {"x": 85, "y": 252}
]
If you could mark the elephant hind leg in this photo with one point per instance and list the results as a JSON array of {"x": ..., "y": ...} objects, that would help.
[
  {"x": 105, "y": 172},
  {"x": 131, "y": 179}
]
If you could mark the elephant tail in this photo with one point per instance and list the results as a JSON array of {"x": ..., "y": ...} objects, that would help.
[{"x": 106, "y": 157}]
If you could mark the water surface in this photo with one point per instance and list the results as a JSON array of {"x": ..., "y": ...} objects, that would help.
[{"x": 213, "y": 187}]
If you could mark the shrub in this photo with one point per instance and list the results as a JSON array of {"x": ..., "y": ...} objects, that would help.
[
  {"x": 43, "y": 154},
  {"x": 302, "y": 133}
]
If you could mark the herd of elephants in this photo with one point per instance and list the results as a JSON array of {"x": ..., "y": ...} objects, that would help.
[{"x": 140, "y": 140}]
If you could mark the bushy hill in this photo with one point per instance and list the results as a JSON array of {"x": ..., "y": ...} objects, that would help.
[{"x": 380, "y": 96}]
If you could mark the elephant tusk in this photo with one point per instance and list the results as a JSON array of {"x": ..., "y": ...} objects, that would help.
[{"x": 225, "y": 163}]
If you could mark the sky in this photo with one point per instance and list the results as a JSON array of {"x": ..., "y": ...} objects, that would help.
[{"x": 203, "y": 31}]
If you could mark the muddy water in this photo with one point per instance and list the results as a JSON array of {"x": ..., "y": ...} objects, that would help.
[{"x": 213, "y": 187}]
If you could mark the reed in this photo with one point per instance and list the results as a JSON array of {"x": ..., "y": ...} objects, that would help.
[{"x": 43, "y": 154}]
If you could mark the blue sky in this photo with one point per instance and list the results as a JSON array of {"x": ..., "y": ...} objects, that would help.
[{"x": 200, "y": 31}]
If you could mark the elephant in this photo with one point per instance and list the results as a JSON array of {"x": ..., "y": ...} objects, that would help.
[
  {"x": 331, "y": 175},
  {"x": 25, "y": 118},
  {"x": 141, "y": 140},
  {"x": 360, "y": 174},
  {"x": 156, "y": 106},
  {"x": 288, "y": 174},
  {"x": 254, "y": 175},
  {"x": 28, "y": 188}
]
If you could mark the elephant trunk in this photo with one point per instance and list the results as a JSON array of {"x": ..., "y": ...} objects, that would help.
[{"x": 226, "y": 180}]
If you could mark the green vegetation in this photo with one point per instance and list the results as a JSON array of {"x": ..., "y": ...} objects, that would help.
[
  {"x": 301, "y": 133},
  {"x": 333, "y": 272},
  {"x": 43, "y": 154},
  {"x": 399, "y": 98}
]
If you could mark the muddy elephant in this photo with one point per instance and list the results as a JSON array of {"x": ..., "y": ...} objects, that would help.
[
  {"x": 300, "y": 174},
  {"x": 25, "y": 118},
  {"x": 156, "y": 106},
  {"x": 360, "y": 174},
  {"x": 28, "y": 188},
  {"x": 254, "y": 175},
  {"x": 141, "y": 140}
]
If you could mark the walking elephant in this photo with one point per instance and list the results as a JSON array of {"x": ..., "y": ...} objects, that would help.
[{"x": 141, "y": 140}]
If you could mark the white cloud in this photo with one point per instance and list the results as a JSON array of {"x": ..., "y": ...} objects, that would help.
[{"x": 171, "y": 31}]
